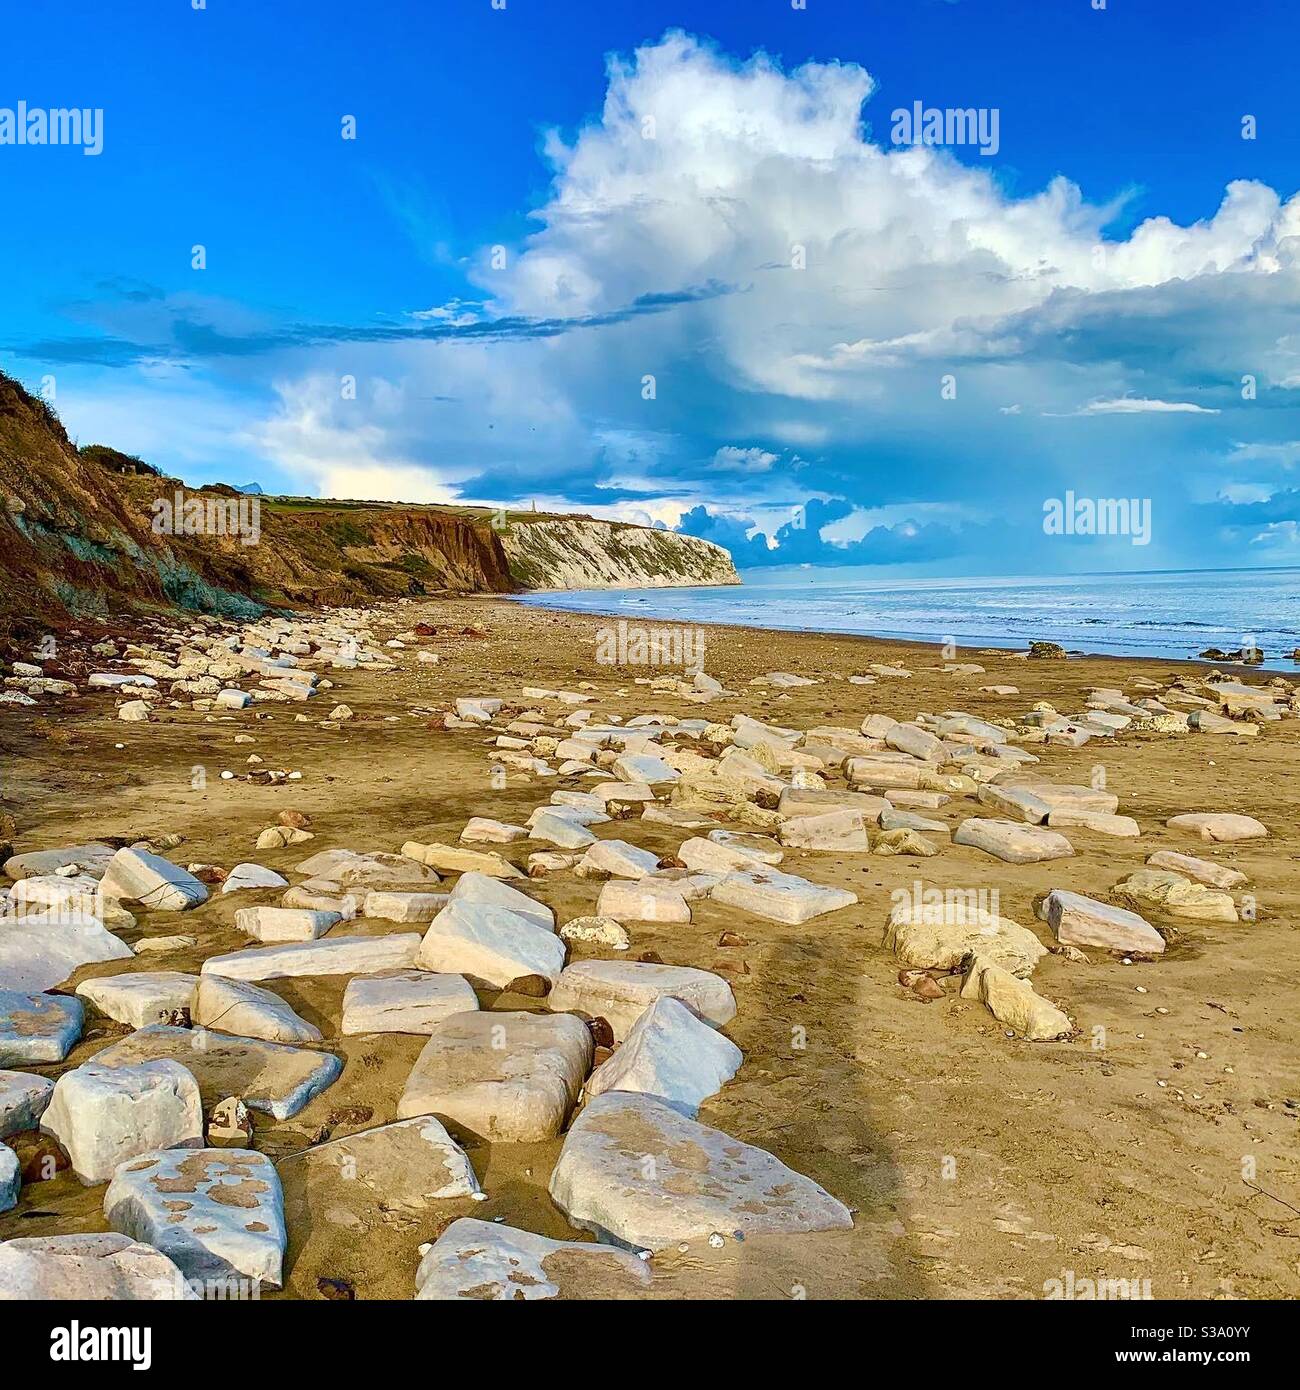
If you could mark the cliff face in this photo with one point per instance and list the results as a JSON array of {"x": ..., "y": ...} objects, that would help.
[
  {"x": 87, "y": 534},
  {"x": 582, "y": 553}
]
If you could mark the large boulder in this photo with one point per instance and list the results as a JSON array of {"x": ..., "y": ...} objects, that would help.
[
  {"x": 509, "y": 1077},
  {"x": 637, "y": 1173},
  {"x": 482, "y": 1260},
  {"x": 103, "y": 1115}
]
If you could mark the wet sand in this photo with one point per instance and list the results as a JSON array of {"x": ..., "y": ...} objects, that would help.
[{"x": 977, "y": 1164}]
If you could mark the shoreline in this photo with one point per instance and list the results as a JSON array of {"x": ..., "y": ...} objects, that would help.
[{"x": 1202, "y": 664}]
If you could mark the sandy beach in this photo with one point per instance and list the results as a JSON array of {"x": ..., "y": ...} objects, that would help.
[{"x": 1158, "y": 1143}]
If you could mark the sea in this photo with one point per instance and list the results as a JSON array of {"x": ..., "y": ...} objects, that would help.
[{"x": 1164, "y": 613}]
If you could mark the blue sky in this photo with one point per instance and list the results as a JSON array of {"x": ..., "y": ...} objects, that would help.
[{"x": 861, "y": 351}]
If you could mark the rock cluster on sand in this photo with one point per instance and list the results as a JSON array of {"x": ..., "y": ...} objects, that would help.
[{"x": 651, "y": 828}]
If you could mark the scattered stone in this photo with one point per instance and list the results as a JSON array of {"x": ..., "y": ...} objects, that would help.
[
  {"x": 1212, "y": 875},
  {"x": 491, "y": 946},
  {"x": 246, "y": 876},
  {"x": 404, "y": 1001},
  {"x": 217, "y": 1213},
  {"x": 509, "y": 1077},
  {"x": 943, "y": 935},
  {"x": 597, "y": 931},
  {"x": 1080, "y": 921},
  {"x": 338, "y": 955},
  {"x": 638, "y": 1174},
  {"x": 621, "y": 991},
  {"x": 904, "y": 841},
  {"x": 88, "y": 1268},
  {"x": 135, "y": 875},
  {"x": 671, "y": 1055},
  {"x": 92, "y": 858},
  {"x": 139, "y": 998},
  {"x": 160, "y": 945},
  {"x": 235, "y": 1006},
  {"x": 1014, "y": 1003},
  {"x": 1123, "y": 827},
  {"x": 104, "y": 1115},
  {"x": 37, "y": 1029},
  {"x": 779, "y": 897},
  {"x": 480, "y": 828},
  {"x": 618, "y": 859},
  {"x": 270, "y": 1077},
  {"x": 450, "y": 859},
  {"x": 39, "y": 954},
  {"x": 407, "y": 1166},
  {"x": 840, "y": 831},
  {"x": 1012, "y": 842},
  {"x": 1176, "y": 895},
  {"x": 284, "y": 923},
  {"x": 643, "y": 900},
  {"x": 1219, "y": 826},
  {"x": 23, "y": 1098},
  {"x": 392, "y": 906},
  {"x": 482, "y": 1260}
]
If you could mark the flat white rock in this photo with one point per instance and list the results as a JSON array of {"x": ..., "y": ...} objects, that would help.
[
  {"x": 88, "y": 1268},
  {"x": 216, "y": 1213},
  {"x": 622, "y": 990},
  {"x": 337, "y": 955},
  {"x": 271, "y": 1077},
  {"x": 509, "y": 1077},
  {"x": 36, "y": 956},
  {"x": 405, "y": 1001},
  {"x": 491, "y": 946},
  {"x": 140, "y": 997},
  {"x": 37, "y": 1028},
  {"x": 248, "y": 1011},
  {"x": 636, "y": 1173},
  {"x": 483, "y": 1260},
  {"x": 245, "y": 876},
  {"x": 1011, "y": 841},
  {"x": 780, "y": 897}
]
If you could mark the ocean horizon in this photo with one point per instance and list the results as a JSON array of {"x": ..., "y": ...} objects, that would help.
[{"x": 1171, "y": 614}]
